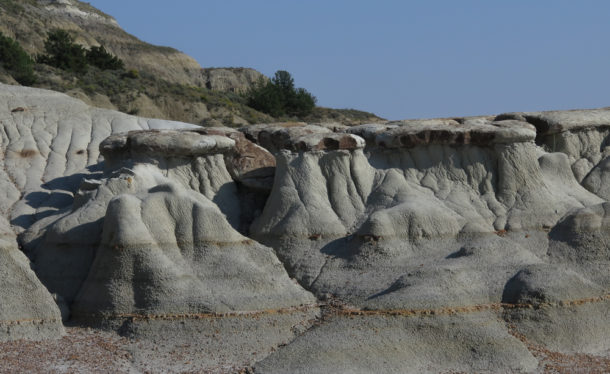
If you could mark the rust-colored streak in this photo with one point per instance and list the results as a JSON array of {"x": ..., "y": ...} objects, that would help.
[
  {"x": 212, "y": 315},
  {"x": 28, "y": 153},
  {"x": 560, "y": 363},
  {"x": 341, "y": 310},
  {"x": 21, "y": 322}
]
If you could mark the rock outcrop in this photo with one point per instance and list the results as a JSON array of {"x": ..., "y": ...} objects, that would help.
[
  {"x": 238, "y": 80},
  {"x": 467, "y": 244},
  {"x": 161, "y": 219},
  {"x": 169, "y": 250},
  {"x": 442, "y": 217}
]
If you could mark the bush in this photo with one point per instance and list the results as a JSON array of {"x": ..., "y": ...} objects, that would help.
[
  {"x": 132, "y": 74},
  {"x": 265, "y": 98},
  {"x": 98, "y": 56},
  {"x": 301, "y": 103},
  {"x": 279, "y": 97},
  {"x": 16, "y": 61},
  {"x": 63, "y": 53}
]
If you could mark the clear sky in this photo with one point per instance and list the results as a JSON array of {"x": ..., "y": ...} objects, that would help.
[{"x": 398, "y": 59}]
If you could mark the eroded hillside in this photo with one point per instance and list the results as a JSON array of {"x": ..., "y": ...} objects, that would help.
[{"x": 159, "y": 82}]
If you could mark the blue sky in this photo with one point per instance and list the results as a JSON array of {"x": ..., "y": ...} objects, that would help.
[{"x": 398, "y": 59}]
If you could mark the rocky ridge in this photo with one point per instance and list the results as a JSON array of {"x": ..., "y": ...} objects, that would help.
[
  {"x": 29, "y": 21},
  {"x": 408, "y": 246}
]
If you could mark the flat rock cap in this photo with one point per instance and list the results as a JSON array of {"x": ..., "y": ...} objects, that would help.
[
  {"x": 166, "y": 142},
  {"x": 553, "y": 122},
  {"x": 475, "y": 131}
]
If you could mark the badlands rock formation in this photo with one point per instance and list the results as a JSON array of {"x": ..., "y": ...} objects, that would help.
[
  {"x": 468, "y": 244},
  {"x": 147, "y": 232},
  {"x": 466, "y": 221}
]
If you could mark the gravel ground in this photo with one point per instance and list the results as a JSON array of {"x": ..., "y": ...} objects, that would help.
[{"x": 85, "y": 350}]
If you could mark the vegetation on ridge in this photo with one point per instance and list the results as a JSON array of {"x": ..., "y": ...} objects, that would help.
[
  {"x": 98, "y": 62},
  {"x": 16, "y": 61},
  {"x": 278, "y": 97},
  {"x": 64, "y": 53}
]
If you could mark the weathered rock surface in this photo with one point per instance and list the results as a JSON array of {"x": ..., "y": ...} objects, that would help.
[
  {"x": 249, "y": 164},
  {"x": 237, "y": 80},
  {"x": 27, "y": 310},
  {"x": 403, "y": 345},
  {"x": 430, "y": 245},
  {"x": 169, "y": 250},
  {"x": 440, "y": 215}
]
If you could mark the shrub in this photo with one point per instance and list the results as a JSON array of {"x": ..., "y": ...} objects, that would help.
[
  {"x": 11, "y": 6},
  {"x": 63, "y": 53},
  {"x": 265, "y": 97},
  {"x": 16, "y": 61},
  {"x": 132, "y": 74},
  {"x": 279, "y": 97},
  {"x": 98, "y": 56}
]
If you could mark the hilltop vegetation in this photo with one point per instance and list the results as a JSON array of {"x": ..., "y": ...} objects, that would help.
[
  {"x": 63, "y": 53},
  {"x": 278, "y": 97},
  {"x": 74, "y": 48},
  {"x": 16, "y": 61}
]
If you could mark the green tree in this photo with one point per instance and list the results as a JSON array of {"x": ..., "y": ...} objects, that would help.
[
  {"x": 265, "y": 98},
  {"x": 301, "y": 103},
  {"x": 63, "y": 53},
  {"x": 279, "y": 97},
  {"x": 16, "y": 61},
  {"x": 284, "y": 82},
  {"x": 98, "y": 56}
]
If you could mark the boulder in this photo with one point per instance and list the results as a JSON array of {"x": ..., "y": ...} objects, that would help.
[{"x": 249, "y": 164}]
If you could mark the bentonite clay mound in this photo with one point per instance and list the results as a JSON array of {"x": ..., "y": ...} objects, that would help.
[{"x": 448, "y": 245}]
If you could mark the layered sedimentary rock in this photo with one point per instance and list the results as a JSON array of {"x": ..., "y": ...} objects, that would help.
[
  {"x": 49, "y": 144},
  {"x": 414, "y": 183},
  {"x": 166, "y": 246},
  {"x": 63, "y": 168},
  {"x": 440, "y": 217},
  {"x": 161, "y": 235},
  {"x": 466, "y": 244},
  {"x": 231, "y": 79}
]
